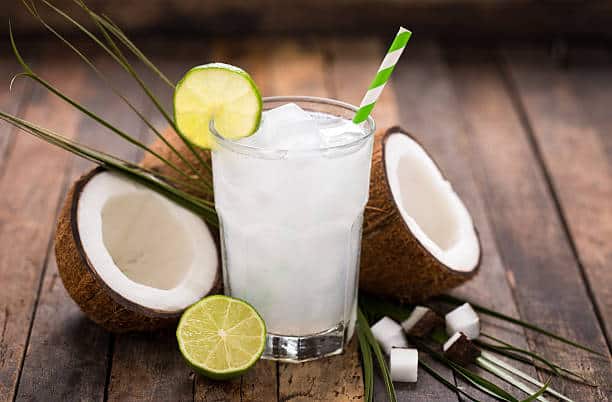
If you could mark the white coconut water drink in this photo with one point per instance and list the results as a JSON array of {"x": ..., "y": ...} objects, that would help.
[{"x": 290, "y": 200}]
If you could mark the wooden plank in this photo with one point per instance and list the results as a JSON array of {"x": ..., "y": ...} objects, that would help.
[
  {"x": 298, "y": 68},
  {"x": 569, "y": 112},
  {"x": 430, "y": 109},
  {"x": 352, "y": 66},
  {"x": 149, "y": 366},
  {"x": 527, "y": 227},
  {"x": 336, "y": 378},
  {"x": 250, "y": 54},
  {"x": 588, "y": 73},
  {"x": 259, "y": 383},
  {"x": 31, "y": 184},
  {"x": 428, "y": 105},
  {"x": 68, "y": 355},
  {"x": 133, "y": 353},
  {"x": 12, "y": 101}
]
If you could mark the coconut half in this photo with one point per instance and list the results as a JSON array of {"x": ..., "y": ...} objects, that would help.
[
  {"x": 419, "y": 239},
  {"x": 131, "y": 258}
]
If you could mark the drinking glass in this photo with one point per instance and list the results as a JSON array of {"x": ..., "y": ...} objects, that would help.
[{"x": 290, "y": 225}]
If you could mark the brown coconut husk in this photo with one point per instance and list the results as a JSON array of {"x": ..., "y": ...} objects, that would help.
[
  {"x": 151, "y": 162},
  {"x": 394, "y": 263},
  {"x": 98, "y": 301},
  {"x": 426, "y": 325},
  {"x": 463, "y": 351}
]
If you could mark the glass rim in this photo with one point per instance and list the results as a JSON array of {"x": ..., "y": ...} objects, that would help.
[{"x": 276, "y": 153}]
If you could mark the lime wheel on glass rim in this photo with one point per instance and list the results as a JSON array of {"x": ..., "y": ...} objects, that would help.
[
  {"x": 221, "y": 337},
  {"x": 220, "y": 92}
]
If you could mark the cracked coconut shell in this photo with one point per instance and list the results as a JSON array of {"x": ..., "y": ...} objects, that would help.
[{"x": 395, "y": 262}]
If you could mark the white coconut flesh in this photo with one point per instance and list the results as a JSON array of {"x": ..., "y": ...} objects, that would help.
[
  {"x": 434, "y": 213},
  {"x": 146, "y": 248}
]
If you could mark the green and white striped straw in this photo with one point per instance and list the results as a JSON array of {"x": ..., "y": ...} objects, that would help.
[{"x": 383, "y": 74}]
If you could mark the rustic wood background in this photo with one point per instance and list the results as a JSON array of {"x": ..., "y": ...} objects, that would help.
[
  {"x": 523, "y": 132},
  {"x": 453, "y": 18}
]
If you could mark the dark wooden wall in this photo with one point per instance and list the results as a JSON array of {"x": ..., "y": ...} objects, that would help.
[{"x": 454, "y": 18}]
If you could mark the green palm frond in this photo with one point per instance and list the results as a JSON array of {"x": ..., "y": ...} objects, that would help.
[{"x": 134, "y": 172}]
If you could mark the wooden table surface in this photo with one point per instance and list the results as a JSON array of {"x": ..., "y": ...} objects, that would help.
[{"x": 523, "y": 132}]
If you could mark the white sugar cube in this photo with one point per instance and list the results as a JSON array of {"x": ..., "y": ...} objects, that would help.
[
  {"x": 389, "y": 334},
  {"x": 463, "y": 319},
  {"x": 404, "y": 364}
]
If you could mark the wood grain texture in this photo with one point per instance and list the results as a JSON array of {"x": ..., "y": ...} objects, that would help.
[
  {"x": 207, "y": 390},
  {"x": 568, "y": 109},
  {"x": 476, "y": 121},
  {"x": 352, "y": 66},
  {"x": 533, "y": 245},
  {"x": 12, "y": 101},
  {"x": 259, "y": 383},
  {"x": 453, "y": 17},
  {"x": 149, "y": 367},
  {"x": 33, "y": 177},
  {"x": 430, "y": 109},
  {"x": 336, "y": 378},
  {"x": 67, "y": 353},
  {"x": 298, "y": 68}
]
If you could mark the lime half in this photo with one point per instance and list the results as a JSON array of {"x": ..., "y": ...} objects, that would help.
[
  {"x": 221, "y": 92},
  {"x": 221, "y": 337}
]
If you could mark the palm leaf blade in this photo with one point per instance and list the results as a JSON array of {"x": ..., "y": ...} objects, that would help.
[
  {"x": 114, "y": 89},
  {"x": 128, "y": 169},
  {"x": 368, "y": 364},
  {"x": 444, "y": 381},
  {"x": 380, "y": 358}
]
